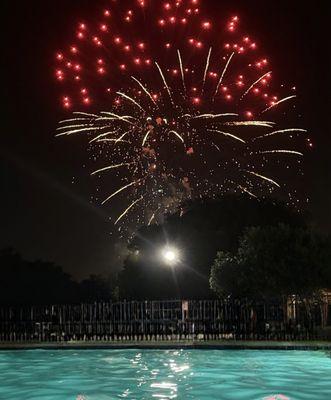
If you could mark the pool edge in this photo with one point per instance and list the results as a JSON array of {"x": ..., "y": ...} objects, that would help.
[{"x": 208, "y": 345}]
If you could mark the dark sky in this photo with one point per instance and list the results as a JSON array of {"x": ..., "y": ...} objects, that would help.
[{"x": 43, "y": 214}]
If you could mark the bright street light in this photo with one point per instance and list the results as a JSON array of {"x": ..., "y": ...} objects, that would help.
[{"x": 170, "y": 255}]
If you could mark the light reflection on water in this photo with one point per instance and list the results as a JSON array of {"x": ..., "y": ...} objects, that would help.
[{"x": 165, "y": 375}]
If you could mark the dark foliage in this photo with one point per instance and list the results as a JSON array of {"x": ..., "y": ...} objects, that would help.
[
  {"x": 198, "y": 231},
  {"x": 39, "y": 282},
  {"x": 274, "y": 262}
]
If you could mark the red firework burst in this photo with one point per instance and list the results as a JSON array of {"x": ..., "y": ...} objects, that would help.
[{"x": 179, "y": 103}]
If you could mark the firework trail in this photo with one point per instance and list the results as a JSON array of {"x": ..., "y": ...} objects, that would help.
[
  {"x": 289, "y": 130},
  {"x": 181, "y": 69},
  {"x": 282, "y": 152},
  {"x": 165, "y": 82},
  {"x": 227, "y": 134},
  {"x": 264, "y": 177},
  {"x": 128, "y": 209},
  {"x": 110, "y": 167},
  {"x": 207, "y": 67},
  {"x": 222, "y": 75},
  {"x": 276, "y": 103},
  {"x": 170, "y": 110},
  {"x": 260, "y": 79}
]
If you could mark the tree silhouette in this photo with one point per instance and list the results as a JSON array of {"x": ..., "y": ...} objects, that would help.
[
  {"x": 198, "y": 231},
  {"x": 39, "y": 282},
  {"x": 274, "y": 262}
]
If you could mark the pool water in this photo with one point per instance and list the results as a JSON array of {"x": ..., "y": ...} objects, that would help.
[{"x": 165, "y": 374}]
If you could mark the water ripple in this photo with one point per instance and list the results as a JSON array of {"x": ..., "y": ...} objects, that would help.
[{"x": 164, "y": 375}]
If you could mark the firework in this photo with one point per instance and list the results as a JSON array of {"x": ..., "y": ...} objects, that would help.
[{"x": 171, "y": 109}]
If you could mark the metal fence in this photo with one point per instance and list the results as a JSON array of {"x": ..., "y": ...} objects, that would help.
[{"x": 162, "y": 321}]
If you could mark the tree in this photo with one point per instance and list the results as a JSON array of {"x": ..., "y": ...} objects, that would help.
[
  {"x": 34, "y": 282},
  {"x": 274, "y": 262},
  {"x": 199, "y": 230},
  {"x": 39, "y": 282},
  {"x": 96, "y": 288}
]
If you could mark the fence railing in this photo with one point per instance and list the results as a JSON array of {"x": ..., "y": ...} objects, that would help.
[{"x": 162, "y": 320}]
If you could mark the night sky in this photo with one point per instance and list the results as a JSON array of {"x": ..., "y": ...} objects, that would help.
[{"x": 45, "y": 194}]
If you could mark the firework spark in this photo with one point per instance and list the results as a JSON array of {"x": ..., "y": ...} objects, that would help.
[
  {"x": 181, "y": 69},
  {"x": 282, "y": 152},
  {"x": 103, "y": 136},
  {"x": 125, "y": 96},
  {"x": 256, "y": 82},
  {"x": 289, "y": 130},
  {"x": 207, "y": 67},
  {"x": 128, "y": 209},
  {"x": 110, "y": 167},
  {"x": 245, "y": 190},
  {"x": 214, "y": 116},
  {"x": 227, "y": 134},
  {"x": 266, "y": 124},
  {"x": 145, "y": 90},
  {"x": 178, "y": 135},
  {"x": 222, "y": 75},
  {"x": 120, "y": 190},
  {"x": 146, "y": 137},
  {"x": 165, "y": 82},
  {"x": 79, "y": 130},
  {"x": 276, "y": 103},
  {"x": 264, "y": 178}
]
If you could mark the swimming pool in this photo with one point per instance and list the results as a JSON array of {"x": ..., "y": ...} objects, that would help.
[{"x": 164, "y": 374}]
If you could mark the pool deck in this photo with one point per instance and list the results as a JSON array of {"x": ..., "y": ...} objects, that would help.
[{"x": 192, "y": 344}]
